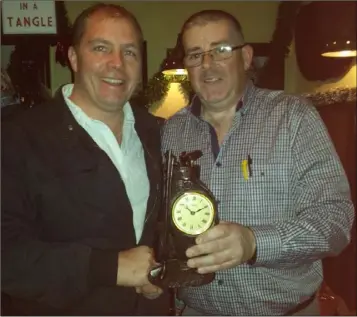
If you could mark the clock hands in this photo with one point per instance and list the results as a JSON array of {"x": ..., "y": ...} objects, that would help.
[
  {"x": 193, "y": 212},
  {"x": 201, "y": 209}
]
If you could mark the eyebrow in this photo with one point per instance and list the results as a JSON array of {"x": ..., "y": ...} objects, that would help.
[
  {"x": 103, "y": 41},
  {"x": 213, "y": 44},
  {"x": 223, "y": 42},
  {"x": 99, "y": 41},
  {"x": 130, "y": 45}
]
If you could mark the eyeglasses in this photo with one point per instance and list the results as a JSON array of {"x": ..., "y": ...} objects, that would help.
[{"x": 218, "y": 53}]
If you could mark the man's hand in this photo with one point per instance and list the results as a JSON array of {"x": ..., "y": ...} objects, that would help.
[
  {"x": 134, "y": 266},
  {"x": 222, "y": 247},
  {"x": 149, "y": 291}
]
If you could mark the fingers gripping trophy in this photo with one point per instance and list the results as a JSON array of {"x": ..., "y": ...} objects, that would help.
[{"x": 189, "y": 209}]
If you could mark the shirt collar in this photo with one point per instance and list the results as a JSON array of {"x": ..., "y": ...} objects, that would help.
[
  {"x": 67, "y": 91},
  {"x": 195, "y": 106}
]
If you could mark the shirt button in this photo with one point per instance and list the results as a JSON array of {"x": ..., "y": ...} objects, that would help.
[
  {"x": 218, "y": 164},
  {"x": 220, "y": 282}
]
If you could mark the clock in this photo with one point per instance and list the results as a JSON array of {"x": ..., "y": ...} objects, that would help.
[
  {"x": 189, "y": 209},
  {"x": 193, "y": 213}
]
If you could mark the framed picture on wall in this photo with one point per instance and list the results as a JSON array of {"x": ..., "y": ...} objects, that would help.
[
  {"x": 38, "y": 25},
  {"x": 32, "y": 28}
]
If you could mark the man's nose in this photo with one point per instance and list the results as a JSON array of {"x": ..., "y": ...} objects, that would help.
[
  {"x": 116, "y": 60},
  {"x": 207, "y": 60}
]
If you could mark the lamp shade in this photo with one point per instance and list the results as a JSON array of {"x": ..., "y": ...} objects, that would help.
[
  {"x": 173, "y": 63},
  {"x": 337, "y": 21}
]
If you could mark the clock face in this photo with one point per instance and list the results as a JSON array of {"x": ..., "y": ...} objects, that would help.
[{"x": 193, "y": 213}]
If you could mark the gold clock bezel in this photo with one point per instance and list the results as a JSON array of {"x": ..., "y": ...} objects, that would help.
[{"x": 211, "y": 217}]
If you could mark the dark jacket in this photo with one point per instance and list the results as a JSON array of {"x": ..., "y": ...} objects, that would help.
[{"x": 66, "y": 215}]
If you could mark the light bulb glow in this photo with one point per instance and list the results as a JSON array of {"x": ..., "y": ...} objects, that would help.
[
  {"x": 345, "y": 53},
  {"x": 175, "y": 72}
]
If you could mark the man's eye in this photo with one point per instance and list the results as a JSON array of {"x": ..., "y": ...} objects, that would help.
[
  {"x": 100, "y": 48},
  {"x": 130, "y": 53},
  {"x": 223, "y": 49},
  {"x": 194, "y": 56}
]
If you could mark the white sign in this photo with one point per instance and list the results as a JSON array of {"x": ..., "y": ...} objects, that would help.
[{"x": 29, "y": 17}]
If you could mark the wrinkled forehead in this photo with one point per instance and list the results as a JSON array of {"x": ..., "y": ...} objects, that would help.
[{"x": 203, "y": 36}]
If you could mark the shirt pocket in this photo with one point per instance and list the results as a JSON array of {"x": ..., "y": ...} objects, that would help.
[{"x": 264, "y": 197}]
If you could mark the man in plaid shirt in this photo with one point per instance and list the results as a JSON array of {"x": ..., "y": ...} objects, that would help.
[{"x": 283, "y": 197}]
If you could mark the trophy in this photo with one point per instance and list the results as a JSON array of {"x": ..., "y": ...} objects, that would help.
[{"x": 189, "y": 209}]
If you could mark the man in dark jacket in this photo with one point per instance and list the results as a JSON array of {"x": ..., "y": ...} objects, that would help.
[{"x": 81, "y": 183}]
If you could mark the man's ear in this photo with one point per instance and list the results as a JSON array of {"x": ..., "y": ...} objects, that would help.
[
  {"x": 247, "y": 52},
  {"x": 72, "y": 57}
]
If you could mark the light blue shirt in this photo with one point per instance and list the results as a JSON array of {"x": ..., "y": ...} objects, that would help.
[{"x": 127, "y": 157}]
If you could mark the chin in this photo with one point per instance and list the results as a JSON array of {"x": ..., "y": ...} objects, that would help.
[
  {"x": 214, "y": 95},
  {"x": 111, "y": 106},
  {"x": 215, "y": 99}
]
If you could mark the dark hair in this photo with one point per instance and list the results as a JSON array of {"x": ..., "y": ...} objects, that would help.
[
  {"x": 206, "y": 16},
  {"x": 112, "y": 10}
]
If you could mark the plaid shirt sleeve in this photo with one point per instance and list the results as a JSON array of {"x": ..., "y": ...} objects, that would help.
[{"x": 320, "y": 191}]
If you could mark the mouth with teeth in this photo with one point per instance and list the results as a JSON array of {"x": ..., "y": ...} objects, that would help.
[
  {"x": 113, "y": 81},
  {"x": 211, "y": 80}
]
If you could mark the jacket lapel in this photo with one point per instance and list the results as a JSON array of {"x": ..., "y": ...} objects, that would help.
[
  {"x": 148, "y": 130},
  {"x": 77, "y": 146}
]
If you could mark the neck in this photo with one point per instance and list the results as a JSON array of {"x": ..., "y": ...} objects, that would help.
[
  {"x": 113, "y": 119},
  {"x": 221, "y": 114},
  {"x": 219, "y": 117}
]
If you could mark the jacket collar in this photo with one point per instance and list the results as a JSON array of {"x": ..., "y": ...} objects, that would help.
[{"x": 144, "y": 121}]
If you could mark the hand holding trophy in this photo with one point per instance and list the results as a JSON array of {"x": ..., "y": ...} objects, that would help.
[{"x": 189, "y": 209}]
